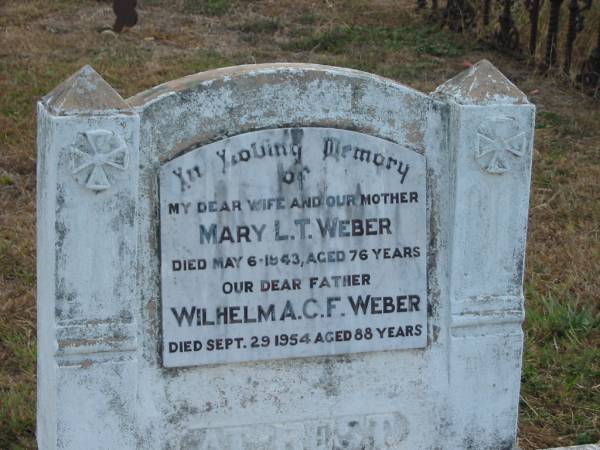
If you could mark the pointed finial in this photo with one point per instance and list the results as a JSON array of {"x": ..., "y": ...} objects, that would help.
[
  {"x": 84, "y": 92},
  {"x": 481, "y": 84}
]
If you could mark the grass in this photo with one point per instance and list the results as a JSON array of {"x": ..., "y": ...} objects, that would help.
[
  {"x": 208, "y": 7},
  {"x": 261, "y": 26},
  {"x": 562, "y": 363},
  {"x": 422, "y": 39},
  {"x": 43, "y": 42}
]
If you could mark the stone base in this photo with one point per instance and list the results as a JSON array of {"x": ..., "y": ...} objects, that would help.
[{"x": 578, "y": 447}]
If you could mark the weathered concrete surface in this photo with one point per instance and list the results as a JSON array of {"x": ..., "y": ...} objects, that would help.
[{"x": 102, "y": 383}]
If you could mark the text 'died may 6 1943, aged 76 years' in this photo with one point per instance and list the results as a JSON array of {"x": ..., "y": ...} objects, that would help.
[{"x": 291, "y": 243}]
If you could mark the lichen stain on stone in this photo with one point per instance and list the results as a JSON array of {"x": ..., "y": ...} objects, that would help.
[
  {"x": 182, "y": 412},
  {"x": 356, "y": 96},
  {"x": 472, "y": 443},
  {"x": 247, "y": 399},
  {"x": 86, "y": 364},
  {"x": 435, "y": 333},
  {"x": 433, "y": 253},
  {"x": 208, "y": 407},
  {"x": 114, "y": 341},
  {"x": 125, "y": 214},
  {"x": 415, "y": 136},
  {"x": 66, "y": 306},
  {"x": 253, "y": 383},
  {"x": 329, "y": 381},
  {"x": 151, "y": 318}
]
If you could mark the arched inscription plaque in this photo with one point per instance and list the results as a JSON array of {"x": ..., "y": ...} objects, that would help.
[{"x": 292, "y": 242}]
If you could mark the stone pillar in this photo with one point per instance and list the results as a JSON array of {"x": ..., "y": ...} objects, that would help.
[
  {"x": 491, "y": 136},
  {"x": 87, "y": 189}
]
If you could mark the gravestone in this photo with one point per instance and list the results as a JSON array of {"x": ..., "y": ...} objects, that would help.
[{"x": 282, "y": 256}]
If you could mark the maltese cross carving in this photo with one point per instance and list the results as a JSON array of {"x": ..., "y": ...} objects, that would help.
[
  {"x": 93, "y": 156},
  {"x": 499, "y": 141}
]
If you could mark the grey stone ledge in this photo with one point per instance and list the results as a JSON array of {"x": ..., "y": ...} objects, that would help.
[{"x": 578, "y": 447}]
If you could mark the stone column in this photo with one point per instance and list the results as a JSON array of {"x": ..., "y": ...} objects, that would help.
[
  {"x": 87, "y": 187},
  {"x": 491, "y": 136}
]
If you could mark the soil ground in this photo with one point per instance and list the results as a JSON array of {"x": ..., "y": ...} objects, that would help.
[{"x": 42, "y": 42}]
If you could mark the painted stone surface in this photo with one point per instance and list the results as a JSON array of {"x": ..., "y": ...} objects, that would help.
[
  {"x": 124, "y": 187},
  {"x": 292, "y": 242}
]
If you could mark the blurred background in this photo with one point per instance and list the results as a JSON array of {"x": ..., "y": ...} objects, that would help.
[{"x": 418, "y": 43}]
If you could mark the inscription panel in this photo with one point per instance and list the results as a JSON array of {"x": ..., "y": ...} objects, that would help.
[{"x": 291, "y": 243}]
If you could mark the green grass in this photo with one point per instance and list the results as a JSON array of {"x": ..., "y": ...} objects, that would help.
[
  {"x": 17, "y": 379},
  {"x": 563, "y": 319},
  {"x": 5, "y": 180},
  {"x": 426, "y": 40},
  {"x": 13, "y": 265},
  {"x": 208, "y": 7},
  {"x": 566, "y": 126},
  {"x": 17, "y": 418},
  {"x": 562, "y": 364},
  {"x": 262, "y": 26},
  {"x": 308, "y": 19}
]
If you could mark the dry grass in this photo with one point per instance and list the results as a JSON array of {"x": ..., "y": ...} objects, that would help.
[{"x": 44, "y": 41}]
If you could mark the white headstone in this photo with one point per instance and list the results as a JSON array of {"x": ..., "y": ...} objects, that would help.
[{"x": 283, "y": 257}]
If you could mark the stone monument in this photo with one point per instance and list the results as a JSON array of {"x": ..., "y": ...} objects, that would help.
[{"x": 282, "y": 256}]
